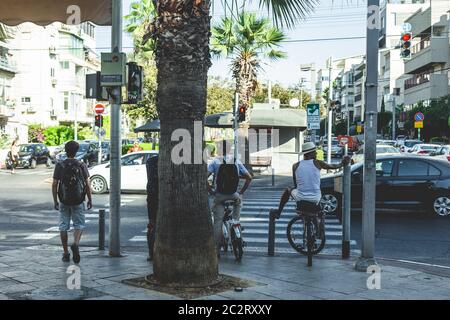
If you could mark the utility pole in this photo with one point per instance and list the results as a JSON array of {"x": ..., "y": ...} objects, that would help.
[
  {"x": 115, "y": 167},
  {"x": 394, "y": 107},
  {"x": 330, "y": 111},
  {"x": 370, "y": 133}
]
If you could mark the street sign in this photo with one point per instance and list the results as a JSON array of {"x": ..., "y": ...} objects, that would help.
[
  {"x": 419, "y": 116},
  {"x": 313, "y": 116},
  {"x": 99, "y": 108},
  {"x": 418, "y": 124},
  {"x": 407, "y": 27},
  {"x": 294, "y": 103}
]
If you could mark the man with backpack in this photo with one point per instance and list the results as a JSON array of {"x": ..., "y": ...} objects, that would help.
[
  {"x": 227, "y": 171},
  {"x": 71, "y": 186}
]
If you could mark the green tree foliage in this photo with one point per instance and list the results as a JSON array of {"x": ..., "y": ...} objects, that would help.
[
  {"x": 220, "y": 96},
  {"x": 436, "y": 117},
  {"x": 246, "y": 40},
  {"x": 384, "y": 120},
  {"x": 35, "y": 133},
  {"x": 57, "y": 135},
  {"x": 284, "y": 94}
]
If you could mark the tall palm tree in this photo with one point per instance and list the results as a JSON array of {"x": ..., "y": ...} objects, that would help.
[
  {"x": 185, "y": 253},
  {"x": 246, "y": 41}
]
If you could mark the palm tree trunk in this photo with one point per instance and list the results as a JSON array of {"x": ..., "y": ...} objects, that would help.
[{"x": 184, "y": 248}]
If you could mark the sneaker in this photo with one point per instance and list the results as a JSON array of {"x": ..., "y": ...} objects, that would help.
[
  {"x": 66, "y": 257},
  {"x": 76, "y": 253}
]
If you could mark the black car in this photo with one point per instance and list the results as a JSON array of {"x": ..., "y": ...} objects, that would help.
[
  {"x": 88, "y": 153},
  {"x": 410, "y": 182},
  {"x": 32, "y": 154}
]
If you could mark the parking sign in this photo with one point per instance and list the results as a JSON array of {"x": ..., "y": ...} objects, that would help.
[{"x": 313, "y": 116}]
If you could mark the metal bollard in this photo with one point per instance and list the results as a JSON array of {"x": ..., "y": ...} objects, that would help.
[
  {"x": 346, "y": 209},
  {"x": 273, "y": 177},
  {"x": 101, "y": 229},
  {"x": 271, "y": 244}
]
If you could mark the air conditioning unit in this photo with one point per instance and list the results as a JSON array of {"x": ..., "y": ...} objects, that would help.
[
  {"x": 53, "y": 114},
  {"x": 52, "y": 50},
  {"x": 54, "y": 81}
]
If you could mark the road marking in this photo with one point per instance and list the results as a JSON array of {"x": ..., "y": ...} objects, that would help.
[
  {"x": 138, "y": 239},
  {"x": 283, "y": 232},
  {"x": 41, "y": 236},
  {"x": 283, "y": 226},
  {"x": 282, "y": 240}
]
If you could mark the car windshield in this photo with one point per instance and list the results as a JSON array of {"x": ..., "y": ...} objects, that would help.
[
  {"x": 410, "y": 144},
  {"x": 83, "y": 148},
  {"x": 386, "y": 150},
  {"x": 26, "y": 148}
]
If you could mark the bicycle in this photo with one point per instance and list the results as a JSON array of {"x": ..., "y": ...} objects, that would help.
[
  {"x": 310, "y": 218},
  {"x": 232, "y": 232}
]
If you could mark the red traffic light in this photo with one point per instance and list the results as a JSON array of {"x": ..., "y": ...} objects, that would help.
[
  {"x": 242, "y": 109},
  {"x": 406, "y": 37}
]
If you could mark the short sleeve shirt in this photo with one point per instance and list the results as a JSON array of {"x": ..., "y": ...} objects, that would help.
[
  {"x": 213, "y": 167},
  {"x": 57, "y": 174}
]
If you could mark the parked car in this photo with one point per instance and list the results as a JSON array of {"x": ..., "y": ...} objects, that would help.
[
  {"x": 404, "y": 181},
  {"x": 382, "y": 149},
  {"x": 336, "y": 149},
  {"x": 408, "y": 144},
  {"x": 32, "y": 154},
  {"x": 442, "y": 153},
  {"x": 134, "y": 174},
  {"x": 387, "y": 142},
  {"x": 424, "y": 149},
  {"x": 88, "y": 153}
]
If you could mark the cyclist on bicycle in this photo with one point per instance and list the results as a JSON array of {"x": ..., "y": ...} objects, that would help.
[
  {"x": 226, "y": 171},
  {"x": 306, "y": 175}
]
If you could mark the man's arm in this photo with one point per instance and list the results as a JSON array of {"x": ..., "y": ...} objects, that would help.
[
  {"x": 55, "y": 194},
  {"x": 294, "y": 168},
  {"x": 248, "y": 180},
  {"x": 326, "y": 166},
  {"x": 208, "y": 186}
]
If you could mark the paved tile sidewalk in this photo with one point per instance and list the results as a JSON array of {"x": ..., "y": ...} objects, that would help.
[{"x": 26, "y": 273}]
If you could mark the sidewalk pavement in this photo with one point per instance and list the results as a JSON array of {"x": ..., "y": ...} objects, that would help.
[{"x": 38, "y": 273}]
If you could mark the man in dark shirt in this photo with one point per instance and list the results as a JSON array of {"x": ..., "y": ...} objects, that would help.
[
  {"x": 68, "y": 212},
  {"x": 152, "y": 200}
]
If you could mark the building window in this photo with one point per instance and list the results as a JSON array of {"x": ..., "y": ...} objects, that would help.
[
  {"x": 66, "y": 102},
  {"x": 26, "y": 99},
  {"x": 65, "y": 65},
  {"x": 52, "y": 72}
]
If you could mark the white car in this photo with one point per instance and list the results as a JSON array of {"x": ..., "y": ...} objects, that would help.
[
  {"x": 424, "y": 149},
  {"x": 442, "y": 153},
  {"x": 134, "y": 173},
  {"x": 382, "y": 150},
  {"x": 408, "y": 144}
]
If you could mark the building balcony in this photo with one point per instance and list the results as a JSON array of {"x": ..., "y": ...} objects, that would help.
[
  {"x": 426, "y": 86},
  {"x": 427, "y": 52},
  {"x": 7, "y": 65},
  {"x": 6, "y": 112},
  {"x": 358, "y": 97}
]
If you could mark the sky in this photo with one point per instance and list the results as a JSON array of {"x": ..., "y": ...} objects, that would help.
[{"x": 330, "y": 19}]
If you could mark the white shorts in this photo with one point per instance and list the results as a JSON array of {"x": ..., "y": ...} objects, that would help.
[{"x": 298, "y": 197}]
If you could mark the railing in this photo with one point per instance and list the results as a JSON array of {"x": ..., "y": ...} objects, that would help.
[
  {"x": 423, "y": 44},
  {"x": 417, "y": 80},
  {"x": 358, "y": 76},
  {"x": 358, "y": 97}
]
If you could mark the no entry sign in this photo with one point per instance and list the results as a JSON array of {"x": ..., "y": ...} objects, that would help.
[{"x": 99, "y": 108}]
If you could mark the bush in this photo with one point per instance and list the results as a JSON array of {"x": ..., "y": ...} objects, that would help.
[
  {"x": 144, "y": 146},
  {"x": 441, "y": 140}
]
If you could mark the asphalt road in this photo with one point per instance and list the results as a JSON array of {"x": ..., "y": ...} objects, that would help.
[{"x": 27, "y": 218}]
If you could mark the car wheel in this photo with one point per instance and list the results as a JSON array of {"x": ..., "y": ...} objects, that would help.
[
  {"x": 33, "y": 164},
  {"x": 441, "y": 206},
  {"x": 330, "y": 204},
  {"x": 98, "y": 185}
]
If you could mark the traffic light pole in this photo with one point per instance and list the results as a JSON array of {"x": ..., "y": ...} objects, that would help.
[
  {"x": 235, "y": 125},
  {"x": 330, "y": 111},
  {"x": 115, "y": 166},
  {"x": 370, "y": 133}
]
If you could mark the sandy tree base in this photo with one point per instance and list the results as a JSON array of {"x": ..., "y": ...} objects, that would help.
[{"x": 186, "y": 291}]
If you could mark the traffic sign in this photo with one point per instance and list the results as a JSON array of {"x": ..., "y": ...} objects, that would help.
[
  {"x": 419, "y": 116},
  {"x": 407, "y": 27},
  {"x": 313, "y": 116},
  {"x": 418, "y": 124},
  {"x": 99, "y": 108}
]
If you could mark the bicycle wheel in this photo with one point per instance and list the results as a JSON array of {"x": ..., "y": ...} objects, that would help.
[
  {"x": 237, "y": 244},
  {"x": 297, "y": 237}
]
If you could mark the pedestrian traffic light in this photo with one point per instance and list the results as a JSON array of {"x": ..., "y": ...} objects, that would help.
[
  {"x": 241, "y": 114},
  {"x": 405, "y": 45},
  {"x": 99, "y": 121},
  {"x": 134, "y": 84}
]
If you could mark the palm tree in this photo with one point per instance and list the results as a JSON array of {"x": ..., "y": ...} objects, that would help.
[
  {"x": 246, "y": 40},
  {"x": 184, "y": 249}
]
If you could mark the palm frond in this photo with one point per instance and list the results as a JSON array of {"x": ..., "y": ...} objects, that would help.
[{"x": 287, "y": 13}]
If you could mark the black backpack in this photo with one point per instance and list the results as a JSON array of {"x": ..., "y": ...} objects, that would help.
[
  {"x": 227, "y": 180},
  {"x": 72, "y": 186}
]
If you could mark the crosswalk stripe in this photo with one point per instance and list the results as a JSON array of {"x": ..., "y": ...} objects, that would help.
[
  {"x": 282, "y": 226},
  {"x": 138, "y": 239},
  {"x": 41, "y": 236},
  {"x": 284, "y": 240},
  {"x": 280, "y": 232}
]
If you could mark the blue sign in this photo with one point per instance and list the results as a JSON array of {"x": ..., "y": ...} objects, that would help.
[{"x": 419, "y": 116}]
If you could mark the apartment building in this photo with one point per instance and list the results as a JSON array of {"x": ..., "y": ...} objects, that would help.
[
  {"x": 393, "y": 15},
  {"x": 428, "y": 69},
  {"x": 52, "y": 62}
]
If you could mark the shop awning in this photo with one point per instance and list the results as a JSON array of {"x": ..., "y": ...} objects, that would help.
[
  {"x": 44, "y": 12},
  {"x": 151, "y": 126}
]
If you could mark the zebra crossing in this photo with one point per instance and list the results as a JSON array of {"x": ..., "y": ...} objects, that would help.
[
  {"x": 27, "y": 172},
  {"x": 255, "y": 221}
]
